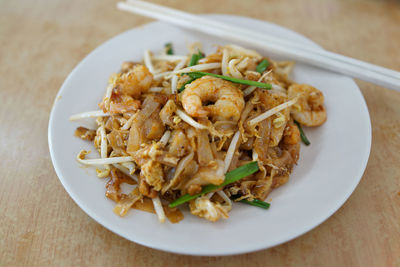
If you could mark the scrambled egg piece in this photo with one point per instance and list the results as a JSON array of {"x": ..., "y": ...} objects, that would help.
[
  {"x": 203, "y": 207},
  {"x": 153, "y": 173}
]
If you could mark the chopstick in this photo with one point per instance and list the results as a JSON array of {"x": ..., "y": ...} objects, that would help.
[{"x": 317, "y": 57}]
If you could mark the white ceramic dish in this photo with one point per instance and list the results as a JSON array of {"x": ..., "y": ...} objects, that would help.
[{"x": 327, "y": 173}]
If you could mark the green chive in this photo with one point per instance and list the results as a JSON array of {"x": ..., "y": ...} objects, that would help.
[
  {"x": 198, "y": 74},
  {"x": 303, "y": 136},
  {"x": 195, "y": 58},
  {"x": 262, "y": 66},
  {"x": 186, "y": 83},
  {"x": 257, "y": 203},
  {"x": 169, "y": 50},
  {"x": 230, "y": 177},
  {"x": 193, "y": 61}
]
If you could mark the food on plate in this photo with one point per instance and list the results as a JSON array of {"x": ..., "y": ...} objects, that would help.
[{"x": 199, "y": 130}]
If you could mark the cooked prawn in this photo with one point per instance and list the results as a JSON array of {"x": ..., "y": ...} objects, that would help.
[
  {"x": 228, "y": 100},
  {"x": 136, "y": 81},
  {"x": 309, "y": 109}
]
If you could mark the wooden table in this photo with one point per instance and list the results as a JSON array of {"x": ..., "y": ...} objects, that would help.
[{"x": 42, "y": 41}]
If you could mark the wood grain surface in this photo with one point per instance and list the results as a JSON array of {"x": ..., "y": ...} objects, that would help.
[{"x": 42, "y": 41}]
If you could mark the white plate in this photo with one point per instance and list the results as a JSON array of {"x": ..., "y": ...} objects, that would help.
[{"x": 327, "y": 173}]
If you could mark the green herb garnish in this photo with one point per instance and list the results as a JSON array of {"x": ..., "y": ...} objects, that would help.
[
  {"x": 255, "y": 202},
  {"x": 198, "y": 74},
  {"x": 195, "y": 58},
  {"x": 230, "y": 177},
  {"x": 303, "y": 136},
  {"x": 180, "y": 89},
  {"x": 169, "y": 50},
  {"x": 262, "y": 66}
]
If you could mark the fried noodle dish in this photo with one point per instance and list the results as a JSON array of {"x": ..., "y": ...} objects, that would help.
[{"x": 203, "y": 131}]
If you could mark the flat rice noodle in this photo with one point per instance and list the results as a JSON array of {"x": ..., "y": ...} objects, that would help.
[
  {"x": 204, "y": 152},
  {"x": 116, "y": 140},
  {"x": 111, "y": 123},
  {"x": 277, "y": 133},
  {"x": 214, "y": 149},
  {"x": 211, "y": 174},
  {"x": 179, "y": 169},
  {"x": 261, "y": 143},
  {"x": 153, "y": 127},
  {"x": 225, "y": 127},
  {"x": 234, "y": 162},
  {"x": 85, "y": 133},
  {"x": 126, "y": 202},
  {"x": 248, "y": 145},
  {"x": 191, "y": 134},
  {"x": 179, "y": 144},
  {"x": 174, "y": 215},
  {"x": 167, "y": 113},
  {"x": 167, "y": 159},
  {"x": 294, "y": 151},
  {"x": 245, "y": 114},
  {"x": 262, "y": 188},
  {"x": 284, "y": 161},
  {"x": 271, "y": 100},
  {"x": 113, "y": 186},
  {"x": 280, "y": 180},
  {"x": 263, "y": 185},
  {"x": 146, "y": 204},
  {"x": 188, "y": 172},
  {"x": 136, "y": 136}
]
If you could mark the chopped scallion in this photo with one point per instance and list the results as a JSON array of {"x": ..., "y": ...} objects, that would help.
[
  {"x": 230, "y": 177},
  {"x": 262, "y": 66},
  {"x": 255, "y": 202},
  {"x": 169, "y": 50},
  {"x": 303, "y": 136},
  {"x": 198, "y": 74},
  {"x": 195, "y": 58},
  {"x": 180, "y": 89}
]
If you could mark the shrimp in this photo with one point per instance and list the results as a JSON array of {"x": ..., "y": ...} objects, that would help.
[
  {"x": 228, "y": 100},
  {"x": 309, "y": 109},
  {"x": 136, "y": 81}
]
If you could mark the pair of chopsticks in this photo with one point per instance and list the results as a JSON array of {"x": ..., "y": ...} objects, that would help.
[{"x": 321, "y": 58}]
